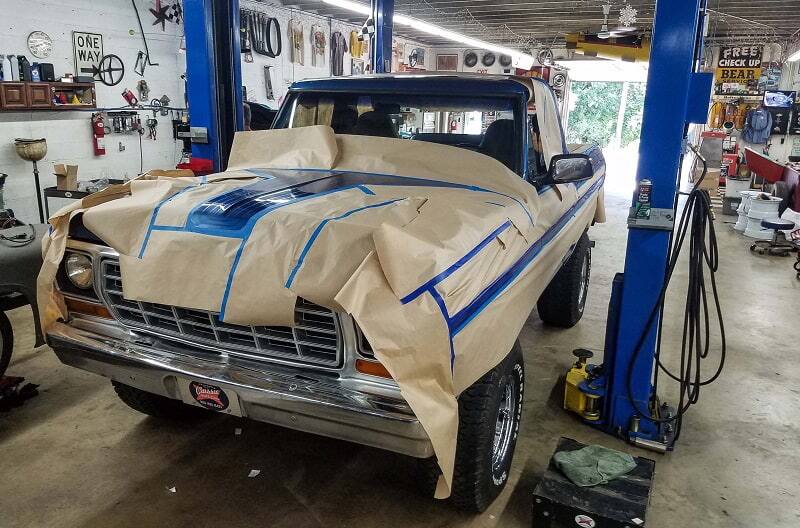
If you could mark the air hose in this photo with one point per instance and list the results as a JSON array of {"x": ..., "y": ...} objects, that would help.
[{"x": 696, "y": 223}]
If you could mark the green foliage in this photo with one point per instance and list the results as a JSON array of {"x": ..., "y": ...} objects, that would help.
[
  {"x": 632, "y": 122},
  {"x": 594, "y": 110}
]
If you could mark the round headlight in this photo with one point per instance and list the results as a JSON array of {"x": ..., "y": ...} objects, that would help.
[{"x": 79, "y": 270}]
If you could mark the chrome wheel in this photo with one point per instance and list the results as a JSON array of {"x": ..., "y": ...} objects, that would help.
[{"x": 504, "y": 427}]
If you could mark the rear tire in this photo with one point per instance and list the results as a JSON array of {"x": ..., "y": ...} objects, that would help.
[
  {"x": 156, "y": 405},
  {"x": 489, "y": 414},
  {"x": 6, "y": 342},
  {"x": 564, "y": 299}
]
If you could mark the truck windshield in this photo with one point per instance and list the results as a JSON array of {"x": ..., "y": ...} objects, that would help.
[{"x": 485, "y": 125}]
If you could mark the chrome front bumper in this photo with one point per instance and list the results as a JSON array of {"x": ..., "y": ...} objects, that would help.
[{"x": 305, "y": 400}]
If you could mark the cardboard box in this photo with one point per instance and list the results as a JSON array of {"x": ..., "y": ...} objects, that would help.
[
  {"x": 66, "y": 177},
  {"x": 710, "y": 182}
]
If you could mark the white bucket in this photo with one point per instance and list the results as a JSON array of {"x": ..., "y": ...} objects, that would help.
[
  {"x": 754, "y": 229},
  {"x": 744, "y": 206},
  {"x": 759, "y": 209},
  {"x": 764, "y": 208}
]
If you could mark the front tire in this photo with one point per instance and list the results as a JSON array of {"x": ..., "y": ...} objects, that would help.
[
  {"x": 564, "y": 299},
  {"x": 489, "y": 414},
  {"x": 156, "y": 405},
  {"x": 6, "y": 343}
]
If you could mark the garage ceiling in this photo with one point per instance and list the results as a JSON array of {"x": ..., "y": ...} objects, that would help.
[{"x": 533, "y": 23}]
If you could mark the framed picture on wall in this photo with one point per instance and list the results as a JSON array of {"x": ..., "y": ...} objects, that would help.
[
  {"x": 357, "y": 67},
  {"x": 447, "y": 62}
]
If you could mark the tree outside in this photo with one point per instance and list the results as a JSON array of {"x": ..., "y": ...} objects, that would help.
[{"x": 595, "y": 109}]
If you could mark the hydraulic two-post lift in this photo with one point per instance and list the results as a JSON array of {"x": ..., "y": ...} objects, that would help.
[
  {"x": 676, "y": 96},
  {"x": 622, "y": 391}
]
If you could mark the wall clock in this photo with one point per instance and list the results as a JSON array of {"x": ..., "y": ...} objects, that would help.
[{"x": 40, "y": 44}]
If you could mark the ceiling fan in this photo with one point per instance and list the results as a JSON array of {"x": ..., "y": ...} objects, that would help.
[{"x": 618, "y": 32}]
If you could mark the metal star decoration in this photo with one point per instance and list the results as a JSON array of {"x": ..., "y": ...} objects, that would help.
[
  {"x": 627, "y": 15},
  {"x": 160, "y": 12}
]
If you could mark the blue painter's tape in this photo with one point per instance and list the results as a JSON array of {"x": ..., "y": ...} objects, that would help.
[
  {"x": 154, "y": 215},
  {"x": 491, "y": 292},
  {"x": 425, "y": 181},
  {"x": 429, "y": 285},
  {"x": 319, "y": 229},
  {"x": 171, "y": 229},
  {"x": 366, "y": 189},
  {"x": 443, "y": 309},
  {"x": 229, "y": 282},
  {"x": 245, "y": 233}
]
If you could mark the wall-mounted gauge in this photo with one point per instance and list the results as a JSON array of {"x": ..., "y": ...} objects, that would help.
[{"x": 40, "y": 44}]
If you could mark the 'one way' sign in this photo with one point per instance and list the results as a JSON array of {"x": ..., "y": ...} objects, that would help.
[{"x": 88, "y": 48}]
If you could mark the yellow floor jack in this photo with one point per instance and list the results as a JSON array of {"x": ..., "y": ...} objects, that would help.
[{"x": 578, "y": 394}]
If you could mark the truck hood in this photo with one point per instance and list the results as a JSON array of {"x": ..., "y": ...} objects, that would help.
[{"x": 247, "y": 245}]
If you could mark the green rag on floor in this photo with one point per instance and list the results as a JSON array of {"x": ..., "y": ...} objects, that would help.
[{"x": 593, "y": 465}]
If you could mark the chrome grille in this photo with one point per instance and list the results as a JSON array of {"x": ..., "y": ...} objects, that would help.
[{"x": 315, "y": 338}]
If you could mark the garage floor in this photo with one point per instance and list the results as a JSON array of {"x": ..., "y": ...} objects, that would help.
[{"x": 76, "y": 456}]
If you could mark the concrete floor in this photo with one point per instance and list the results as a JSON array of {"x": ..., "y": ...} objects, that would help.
[{"x": 75, "y": 456}]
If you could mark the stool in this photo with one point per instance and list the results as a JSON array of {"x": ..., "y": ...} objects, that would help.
[{"x": 774, "y": 246}]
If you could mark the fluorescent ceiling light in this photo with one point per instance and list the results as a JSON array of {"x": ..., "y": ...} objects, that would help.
[
  {"x": 794, "y": 57},
  {"x": 519, "y": 60}
]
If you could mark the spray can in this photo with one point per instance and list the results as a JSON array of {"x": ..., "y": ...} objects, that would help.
[
  {"x": 2, "y": 183},
  {"x": 643, "y": 197},
  {"x": 13, "y": 69}
]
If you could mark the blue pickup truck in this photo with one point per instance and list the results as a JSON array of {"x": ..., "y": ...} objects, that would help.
[{"x": 322, "y": 374}]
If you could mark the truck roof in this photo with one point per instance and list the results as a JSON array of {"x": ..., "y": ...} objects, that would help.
[
  {"x": 432, "y": 82},
  {"x": 454, "y": 83}
]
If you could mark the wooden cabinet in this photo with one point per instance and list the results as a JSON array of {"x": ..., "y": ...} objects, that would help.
[
  {"x": 46, "y": 96},
  {"x": 13, "y": 95},
  {"x": 39, "y": 95}
]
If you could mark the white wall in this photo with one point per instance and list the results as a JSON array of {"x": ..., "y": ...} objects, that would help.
[
  {"x": 284, "y": 72},
  {"x": 68, "y": 133},
  {"x": 430, "y": 60}
]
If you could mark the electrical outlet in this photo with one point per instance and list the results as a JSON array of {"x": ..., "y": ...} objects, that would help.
[{"x": 121, "y": 147}]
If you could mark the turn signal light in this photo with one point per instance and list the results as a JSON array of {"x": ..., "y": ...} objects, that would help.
[
  {"x": 87, "y": 308},
  {"x": 373, "y": 368}
]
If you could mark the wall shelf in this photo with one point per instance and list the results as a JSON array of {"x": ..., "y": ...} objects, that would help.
[{"x": 39, "y": 96}]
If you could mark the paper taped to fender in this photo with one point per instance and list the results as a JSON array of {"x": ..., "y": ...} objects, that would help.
[{"x": 438, "y": 254}]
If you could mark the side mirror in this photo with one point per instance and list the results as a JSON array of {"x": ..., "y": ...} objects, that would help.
[{"x": 569, "y": 168}]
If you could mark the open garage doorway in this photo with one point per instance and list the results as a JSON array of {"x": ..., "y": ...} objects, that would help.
[{"x": 605, "y": 106}]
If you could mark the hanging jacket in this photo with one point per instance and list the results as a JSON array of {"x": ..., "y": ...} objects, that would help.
[{"x": 757, "y": 126}]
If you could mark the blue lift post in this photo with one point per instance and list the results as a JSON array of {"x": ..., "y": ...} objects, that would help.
[
  {"x": 675, "y": 97},
  {"x": 383, "y": 18},
  {"x": 213, "y": 75}
]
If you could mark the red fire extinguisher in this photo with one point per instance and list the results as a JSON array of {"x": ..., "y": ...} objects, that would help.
[{"x": 98, "y": 133}]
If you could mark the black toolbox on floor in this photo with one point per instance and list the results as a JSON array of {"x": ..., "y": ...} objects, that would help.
[{"x": 621, "y": 503}]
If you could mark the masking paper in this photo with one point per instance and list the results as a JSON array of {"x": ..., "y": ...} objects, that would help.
[{"x": 438, "y": 253}]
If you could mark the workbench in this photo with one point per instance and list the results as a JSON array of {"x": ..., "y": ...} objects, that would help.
[{"x": 55, "y": 192}]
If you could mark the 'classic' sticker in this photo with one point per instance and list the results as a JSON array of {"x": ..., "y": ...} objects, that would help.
[{"x": 209, "y": 396}]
